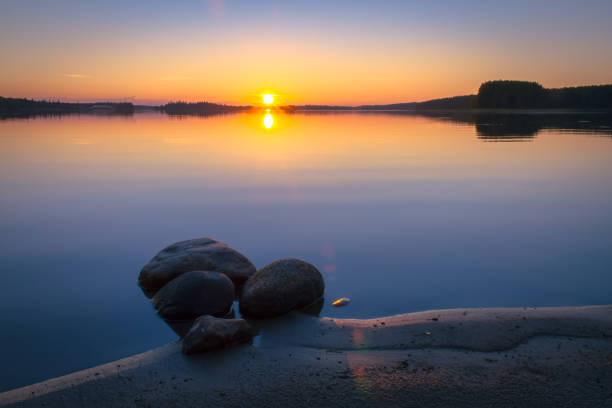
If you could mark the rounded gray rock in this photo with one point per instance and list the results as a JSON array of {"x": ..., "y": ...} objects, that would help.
[
  {"x": 282, "y": 286},
  {"x": 194, "y": 294},
  {"x": 211, "y": 333},
  {"x": 201, "y": 254}
]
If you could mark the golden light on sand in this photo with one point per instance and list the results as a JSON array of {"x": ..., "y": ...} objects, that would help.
[
  {"x": 268, "y": 121},
  {"x": 268, "y": 99}
]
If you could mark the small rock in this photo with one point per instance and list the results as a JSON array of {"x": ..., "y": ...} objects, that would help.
[
  {"x": 194, "y": 294},
  {"x": 211, "y": 333},
  {"x": 341, "y": 302},
  {"x": 201, "y": 254},
  {"x": 282, "y": 286}
]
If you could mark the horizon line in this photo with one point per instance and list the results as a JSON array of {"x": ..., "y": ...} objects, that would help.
[{"x": 157, "y": 103}]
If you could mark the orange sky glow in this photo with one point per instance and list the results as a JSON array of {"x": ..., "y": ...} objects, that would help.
[{"x": 218, "y": 52}]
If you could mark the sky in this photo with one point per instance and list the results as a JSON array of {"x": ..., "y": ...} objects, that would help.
[{"x": 304, "y": 52}]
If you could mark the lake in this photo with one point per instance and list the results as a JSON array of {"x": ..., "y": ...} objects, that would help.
[{"x": 400, "y": 213}]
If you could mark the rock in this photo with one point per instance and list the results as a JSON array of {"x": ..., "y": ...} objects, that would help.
[
  {"x": 194, "y": 294},
  {"x": 314, "y": 309},
  {"x": 341, "y": 302},
  {"x": 201, "y": 254},
  {"x": 210, "y": 333},
  {"x": 280, "y": 287}
]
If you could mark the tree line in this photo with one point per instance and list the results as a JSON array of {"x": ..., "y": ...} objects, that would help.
[
  {"x": 532, "y": 95},
  {"x": 16, "y": 107},
  {"x": 199, "y": 108},
  {"x": 501, "y": 94}
]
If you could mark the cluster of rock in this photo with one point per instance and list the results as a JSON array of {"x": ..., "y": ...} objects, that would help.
[
  {"x": 210, "y": 333},
  {"x": 200, "y": 278}
]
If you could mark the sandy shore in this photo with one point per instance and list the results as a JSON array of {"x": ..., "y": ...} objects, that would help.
[{"x": 544, "y": 357}]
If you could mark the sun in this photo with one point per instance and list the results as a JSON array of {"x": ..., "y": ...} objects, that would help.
[{"x": 268, "y": 99}]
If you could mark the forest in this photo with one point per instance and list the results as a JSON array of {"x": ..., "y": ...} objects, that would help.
[
  {"x": 21, "y": 107},
  {"x": 532, "y": 95},
  {"x": 199, "y": 108}
]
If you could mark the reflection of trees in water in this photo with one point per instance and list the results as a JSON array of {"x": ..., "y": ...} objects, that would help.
[
  {"x": 524, "y": 126},
  {"x": 507, "y": 128}
]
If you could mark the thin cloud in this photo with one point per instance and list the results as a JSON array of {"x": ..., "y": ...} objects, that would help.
[{"x": 77, "y": 76}]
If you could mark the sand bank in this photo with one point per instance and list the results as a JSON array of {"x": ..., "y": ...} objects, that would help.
[{"x": 446, "y": 358}]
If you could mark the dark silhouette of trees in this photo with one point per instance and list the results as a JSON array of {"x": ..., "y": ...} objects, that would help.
[
  {"x": 18, "y": 107},
  {"x": 199, "y": 108},
  {"x": 511, "y": 95},
  {"x": 123, "y": 108},
  {"x": 531, "y": 95},
  {"x": 581, "y": 97},
  {"x": 500, "y": 94},
  {"x": 455, "y": 102},
  {"x": 26, "y": 107}
]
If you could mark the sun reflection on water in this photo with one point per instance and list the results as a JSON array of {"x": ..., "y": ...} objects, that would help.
[{"x": 268, "y": 120}]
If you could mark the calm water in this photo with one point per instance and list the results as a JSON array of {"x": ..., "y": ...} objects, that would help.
[{"x": 400, "y": 213}]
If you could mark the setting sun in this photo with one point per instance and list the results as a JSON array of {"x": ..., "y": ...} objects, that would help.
[{"x": 268, "y": 99}]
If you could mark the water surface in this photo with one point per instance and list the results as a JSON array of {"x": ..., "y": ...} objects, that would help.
[{"x": 400, "y": 212}]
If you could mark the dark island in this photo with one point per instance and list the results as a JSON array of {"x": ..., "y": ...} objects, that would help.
[{"x": 200, "y": 108}]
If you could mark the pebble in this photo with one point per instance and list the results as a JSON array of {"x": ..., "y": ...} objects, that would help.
[{"x": 341, "y": 302}]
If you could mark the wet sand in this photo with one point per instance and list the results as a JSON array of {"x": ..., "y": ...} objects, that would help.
[{"x": 544, "y": 357}]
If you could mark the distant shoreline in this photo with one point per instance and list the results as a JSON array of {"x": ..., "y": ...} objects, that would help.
[
  {"x": 85, "y": 109},
  {"x": 534, "y": 111},
  {"x": 500, "y": 96}
]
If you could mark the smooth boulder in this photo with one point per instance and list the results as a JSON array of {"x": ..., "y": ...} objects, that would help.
[
  {"x": 201, "y": 254},
  {"x": 211, "y": 333},
  {"x": 282, "y": 286},
  {"x": 194, "y": 294}
]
